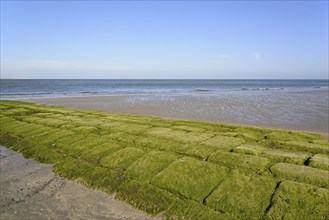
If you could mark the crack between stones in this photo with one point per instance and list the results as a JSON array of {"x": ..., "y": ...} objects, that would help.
[
  {"x": 271, "y": 199},
  {"x": 308, "y": 160},
  {"x": 204, "y": 200}
]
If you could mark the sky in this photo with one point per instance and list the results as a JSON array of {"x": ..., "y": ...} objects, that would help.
[{"x": 164, "y": 39}]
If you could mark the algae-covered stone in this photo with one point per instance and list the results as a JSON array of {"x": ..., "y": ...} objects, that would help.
[
  {"x": 250, "y": 149},
  {"x": 189, "y": 209},
  {"x": 190, "y": 178},
  {"x": 289, "y": 136},
  {"x": 275, "y": 155},
  {"x": 132, "y": 128},
  {"x": 223, "y": 142},
  {"x": 310, "y": 147},
  {"x": 320, "y": 161},
  {"x": 145, "y": 196},
  {"x": 240, "y": 161},
  {"x": 150, "y": 164},
  {"x": 304, "y": 174},
  {"x": 244, "y": 196},
  {"x": 294, "y": 200},
  {"x": 96, "y": 153},
  {"x": 178, "y": 135},
  {"x": 122, "y": 158},
  {"x": 188, "y": 128},
  {"x": 286, "y": 156}
]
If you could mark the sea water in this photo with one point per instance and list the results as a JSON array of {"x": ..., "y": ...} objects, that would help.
[{"x": 33, "y": 88}]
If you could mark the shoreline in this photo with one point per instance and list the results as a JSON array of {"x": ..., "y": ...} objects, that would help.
[{"x": 230, "y": 109}]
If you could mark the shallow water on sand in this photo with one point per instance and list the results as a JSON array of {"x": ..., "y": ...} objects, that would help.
[{"x": 298, "y": 109}]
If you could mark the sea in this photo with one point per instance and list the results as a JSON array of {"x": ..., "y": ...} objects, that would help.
[{"x": 12, "y": 89}]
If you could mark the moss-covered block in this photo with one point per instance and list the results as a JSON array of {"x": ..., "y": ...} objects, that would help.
[
  {"x": 17, "y": 111},
  {"x": 52, "y": 136},
  {"x": 244, "y": 196},
  {"x": 239, "y": 161},
  {"x": 286, "y": 156},
  {"x": 250, "y": 149},
  {"x": 288, "y": 136},
  {"x": 317, "y": 177},
  {"x": 309, "y": 147},
  {"x": 168, "y": 145},
  {"x": 150, "y": 164},
  {"x": 30, "y": 131},
  {"x": 132, "y": 128},
  {"x": 294, "y": 200},
  {"x": 190, "y": 178},
  {"x": 145, "y": 196},
  {"x": 187, "y": 128},
  {"x": 223, "y": 142},
  {"x": 96, "y": 153},
  {"x": 74, "y": 168},
  {"x": 108, "y": 180},
  {"x": 189, "y": 209},
  {"x": 122, "y": 158},
  {"x": 320, "y": 161},
  {"x": 178, "y": 135}
]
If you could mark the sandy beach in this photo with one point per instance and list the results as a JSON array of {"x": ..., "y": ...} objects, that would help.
[
  {"x": 305, "y": 110},
  {"x": 30, "y": 190}
]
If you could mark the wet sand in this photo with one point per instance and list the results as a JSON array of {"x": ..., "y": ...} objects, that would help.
[
  {"x": 30, "y": 190},
  {"x": 305, "y": 110}
]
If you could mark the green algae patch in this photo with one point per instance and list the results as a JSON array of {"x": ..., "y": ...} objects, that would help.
[
  {"x": 223, "y": 142},
  {"x": 122, "y": 158},
  {"x": 294, "y": 157},
  {"x": 107, "y": 180},
  {"x": 99, "y": 152},
  {"x": 179, "y": 135},
  {"x": 150, "y": 164},
  {"x": 189, "y": 209},
  {"x": 145, "y": 196},
  {"x": 275, "y": 155},
  {"x": 244, "y": 196},
  {"x": 294, "y": 200},
  {"x": 177, "y": 168},
  {"x": 186, "y": 149},
  {"x": 74, "y": 168},
  {"x": 190, "y": 178},
  {"x": 188, "y": 128},
  {"x": 288, "y": 136},
  {"x": 233, "y": 160},
  {"x": 309, "y": 146},
  {"x": 304, "y": 174},
  {"x": 250, "y": 149},
  {"x": 320, "y": 161}
]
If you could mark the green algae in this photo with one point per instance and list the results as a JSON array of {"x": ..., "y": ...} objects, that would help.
[
  {"x": 122, "y": 158},
  {"x": 189, "y": 209},
  {"x": 150, "y": 164},
  {"x": 240, "y": 161},
  {"x": 224, "y": 143},
  {"x": 303, "y": 174},
  {"x": 178, "y": 168},
  {"x": 319, "y": 161},
  {"x": 190, "y": 178},
  {"x": 299, "y": 201},
  {"x": 244, "y": 196}
]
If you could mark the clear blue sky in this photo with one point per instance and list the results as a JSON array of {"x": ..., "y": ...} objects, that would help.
[{"x": 164, "y": 39}]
